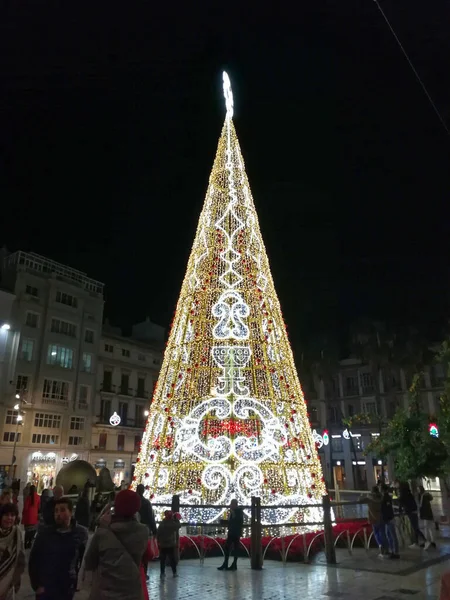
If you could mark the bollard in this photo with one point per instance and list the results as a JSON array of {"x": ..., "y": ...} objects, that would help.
[
  {"x": 256, "y": 545},
  {"x": 330, "y": 550},
  {"x": 175, "y": 503}
]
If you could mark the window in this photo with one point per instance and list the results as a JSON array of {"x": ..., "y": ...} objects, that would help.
[
  {"x": 9, "y": 436},
  {"x": 11, "y": 417},
  {"x": 124, "y": 383},
  {"x": 102, "y": 441},
  {"x": 120, "y": 441},
  {"x": 313, "y": 414},
  {"x": 141, "y": 387},
  {"x": 32, "y": 319},
  {"x": 77, "y": 423},
  {"x": 137, "y": 443},
  {"x": 351, "y": 386},
  {"x": 367, "y": 381},
  {"x": 60, "y": 356},
  {"x": 105, "y": 410},
  {"x": 107, "y": 381},
  {"x": 333, "y": 412},
  {"x": 350, "y": 410},
  {"x": 66, "y": 299},
  {"x": 26, "y": 349},
  {"x": 64, "y": 328},
  {"x": 32, "y": 291},
  {"x": 123, "y": 412},
  {"x": 21, "y": 383},
  {"x": 83, "y": 394},
  {"x": 44, "y": 438},
  {"x": 89, "y": 336},
  {"x": 336, "y": 444},
  {"x": 125, "y": 353},
  {"x": 56, "y": 390},
  {"x": 75, "y": 441},
  {"x": 47, "y": 420},
  {"x": 109, "y": 348},
  {"x": 370, "y": 408},
  {"x": 139, "y": 416},
  {"x": 141, "y": 357},
  {"x": 87, "y": 362}
]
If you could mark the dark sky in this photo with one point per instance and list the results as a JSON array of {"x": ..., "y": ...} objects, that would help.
[{"x": 110, "y": 116}]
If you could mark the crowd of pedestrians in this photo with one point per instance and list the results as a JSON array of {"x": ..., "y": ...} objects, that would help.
[
  {"x": 125, "y": 539},
  {"x": 384, "y": 504}
]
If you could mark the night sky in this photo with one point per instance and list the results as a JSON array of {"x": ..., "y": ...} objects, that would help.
[{"x": 110, "y": 116}]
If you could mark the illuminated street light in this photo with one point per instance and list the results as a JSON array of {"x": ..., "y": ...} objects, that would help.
[
  {"x": 146, "y": 413},
  {"x": 6, "y": 327},
  {"x": 19, "y": 418},
  {"x": 17, "y": 396},
  {"x": 16, "y": 407}
]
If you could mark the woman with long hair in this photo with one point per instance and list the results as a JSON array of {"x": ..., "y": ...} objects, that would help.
[
  {"x": 12, "y": 556},
  {"x": 30, "y": 515}
]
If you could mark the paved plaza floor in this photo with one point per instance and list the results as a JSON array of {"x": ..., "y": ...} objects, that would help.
[{"x": 362, "y": 576}]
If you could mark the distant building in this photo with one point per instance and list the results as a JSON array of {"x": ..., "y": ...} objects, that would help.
[
  {"x": 126, "y": 377},
  {"x": 56, "y": 320},
  {"x": 353, "y": 391}
]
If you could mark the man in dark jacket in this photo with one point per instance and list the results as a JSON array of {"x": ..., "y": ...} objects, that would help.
[
  {"x": 146, "y": 511},
  {"x": 48, "y": 512},
  {"x": 235, "y": 524},
  {"x": 52, "y": 565},
  {"x": 387, "y": 515},
  {"x": 147, "y": 518}
]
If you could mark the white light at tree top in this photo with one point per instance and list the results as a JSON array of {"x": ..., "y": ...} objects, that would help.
[{"x": 228, "y": 417}]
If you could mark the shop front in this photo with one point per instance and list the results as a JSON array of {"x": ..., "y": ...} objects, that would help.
[
  {"x": 42, "y": 469},
  {"x": 380, "y": 470},
  {"x": 121, "y": 469}
]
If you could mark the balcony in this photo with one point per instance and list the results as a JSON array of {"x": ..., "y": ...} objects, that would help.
[
  {"x": 125, "y": 391},
  {"x": 368, "y": 390},
  {"x": 141, "y": 394},
  {"x": 132, "y": 423},
  {"x": 56, "y": 402},
  {"x": 107, "y": 388},
  {"x": 351, "y": 392}
]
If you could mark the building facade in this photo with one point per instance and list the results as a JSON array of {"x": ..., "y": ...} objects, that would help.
[
  {"x": 47, "y": 398},
  {"x": 126, "y": 377},
  {"x": 353, "y": 391}
]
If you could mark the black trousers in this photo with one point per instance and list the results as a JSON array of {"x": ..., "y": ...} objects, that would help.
[
  {"x": 167, "y": 553},
  {"x": 232, "y": 542}
]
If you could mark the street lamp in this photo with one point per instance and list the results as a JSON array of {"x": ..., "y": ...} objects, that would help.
[
  {"x": 5, "y": 327},
  {"x": 146, "y": 413}
]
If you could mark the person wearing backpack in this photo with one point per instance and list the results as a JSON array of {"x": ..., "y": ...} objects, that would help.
[{"x": 116, "y": 552}]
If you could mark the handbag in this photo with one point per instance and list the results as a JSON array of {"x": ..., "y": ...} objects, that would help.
[{"x": 153, "y": 548}]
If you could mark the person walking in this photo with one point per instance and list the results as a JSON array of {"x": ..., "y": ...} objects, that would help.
[
  {"x": 48, "y": 512},
  {"x": 52, "y": 565},
  {"x": 12, "y": 555},
  {"x": 235, "y": 524},
  {"x": 82, "y": 509},
  {"x": 30, "y": 516},
  {"x": 167, "y": 536},
  {"x": 147, "y": 518},
  {"x": 373, "y": 501},
  {"x": 408, "y": 504},
  {"x": 116, "y": 551},
  {"x": 426, "y": 516},
  {"x": 388, "y": 518}
]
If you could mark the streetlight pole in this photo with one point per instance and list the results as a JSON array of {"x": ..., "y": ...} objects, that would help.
[{"x": 19, "y": 420}]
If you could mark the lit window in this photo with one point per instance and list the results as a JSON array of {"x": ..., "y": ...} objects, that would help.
[
  {"x": 26, "y": 349},
  {"x": 87, "y": 362},
  {"x": 77, "y": 423},
  {"x": 60, "y": 356}
]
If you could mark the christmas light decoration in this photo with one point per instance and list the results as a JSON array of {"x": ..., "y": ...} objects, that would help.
[
  {"x": 228, "y": 417},
  {"x": 433, "y": 429}
]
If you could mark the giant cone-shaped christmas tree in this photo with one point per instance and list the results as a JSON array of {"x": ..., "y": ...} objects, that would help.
[{"x": 228, "y": 417}]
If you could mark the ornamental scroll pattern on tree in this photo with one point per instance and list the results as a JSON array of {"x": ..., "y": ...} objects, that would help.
[{"x": 228, "y": 417}]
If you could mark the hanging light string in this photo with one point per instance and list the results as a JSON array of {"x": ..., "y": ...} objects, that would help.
[{"x": 430, "y": 99}]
